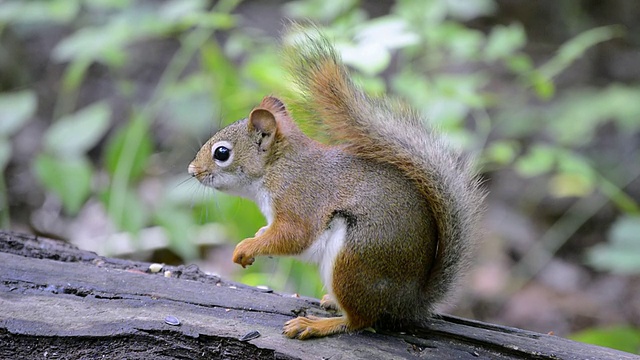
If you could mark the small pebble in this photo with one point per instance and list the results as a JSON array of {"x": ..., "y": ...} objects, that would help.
[
  {"x": 172, "y": 320},
  {"x": 232, "y": 287},
  {"x": 167, "y": 273},
  {"x": 250, "y": 335},
  {"x": 154, "y": 268}
]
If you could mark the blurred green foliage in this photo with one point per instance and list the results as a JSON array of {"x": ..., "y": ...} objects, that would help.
[
  {"x": 421, "y": 51},
  {"x": 622, "y": 338},
  {"x": 620, "y": 255},
  {"x": 16, "y": 109}
]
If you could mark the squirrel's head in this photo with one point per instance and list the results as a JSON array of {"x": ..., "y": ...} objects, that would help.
[{"x": 235, "y": 158}]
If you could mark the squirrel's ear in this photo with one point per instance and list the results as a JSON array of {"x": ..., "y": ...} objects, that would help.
[
  {"x": 274, "y": 104},
  {"x": 263, "y": 122}
]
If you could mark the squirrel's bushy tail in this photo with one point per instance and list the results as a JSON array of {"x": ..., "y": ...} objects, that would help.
[{"x": 387, "y": 132}]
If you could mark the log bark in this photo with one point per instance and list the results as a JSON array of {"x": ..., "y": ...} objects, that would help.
[{"x": 60, "y": 302}]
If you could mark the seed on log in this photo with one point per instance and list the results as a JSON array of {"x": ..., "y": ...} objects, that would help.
[
  {"x": 172, "y": 320},
  {"x": 250, "y": 335},
  {"x": 154, "y": 268}
]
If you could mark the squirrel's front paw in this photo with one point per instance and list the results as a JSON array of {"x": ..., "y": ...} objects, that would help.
[{"x": 244, "y": 253}]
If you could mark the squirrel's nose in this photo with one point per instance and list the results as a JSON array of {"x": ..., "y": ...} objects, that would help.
[{"x": 192, "y": 169}]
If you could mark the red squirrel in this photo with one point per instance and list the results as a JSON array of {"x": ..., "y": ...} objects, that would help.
[{"x": 386, "y": 209}]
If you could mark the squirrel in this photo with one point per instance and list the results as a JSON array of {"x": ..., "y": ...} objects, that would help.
[{"x": 387, "y": 210}]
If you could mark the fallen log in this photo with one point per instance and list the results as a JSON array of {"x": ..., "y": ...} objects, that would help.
[{"x": 59, "y": 302}]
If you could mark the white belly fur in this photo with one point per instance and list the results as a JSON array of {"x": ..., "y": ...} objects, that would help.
[{"x": 325, "y": 250}]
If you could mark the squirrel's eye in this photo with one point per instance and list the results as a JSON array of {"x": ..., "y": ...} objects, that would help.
[{"x": 221, "y": 153}]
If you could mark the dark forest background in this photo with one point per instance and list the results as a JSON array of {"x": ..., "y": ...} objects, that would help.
[{"x": 103, "y": 103}]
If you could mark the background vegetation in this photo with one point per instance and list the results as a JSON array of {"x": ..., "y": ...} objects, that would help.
[{"x": 103, "y": 103}]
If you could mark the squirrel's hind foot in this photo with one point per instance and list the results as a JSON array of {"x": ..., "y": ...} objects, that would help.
[{"x": 312, "y": 326}]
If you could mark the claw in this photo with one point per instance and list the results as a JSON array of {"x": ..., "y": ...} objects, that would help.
[{"x": 243, "y": 254}]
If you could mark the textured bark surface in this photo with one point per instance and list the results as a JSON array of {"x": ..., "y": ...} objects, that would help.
[{"x": 59, "y": 302}]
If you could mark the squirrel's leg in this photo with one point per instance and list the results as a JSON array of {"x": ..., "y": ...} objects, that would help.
[
  {"x": 282, "y": 237},
  {"x": 351, "y": 286}
]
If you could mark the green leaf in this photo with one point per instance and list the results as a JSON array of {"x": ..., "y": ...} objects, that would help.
[
  {"x": 371, "y": 53},
  {"x": 620, "y": 254},
  {"x": 538, "y": 161},
  {"x": 179, "y": 224},
  {"x": 502, "y": 152},
  {"x": 75, "y": 134},
  {"x": 389, "y": 32},
  {"x": 226, "y": 6},
  {"x": 69, "y": 179},
  {"x": 266, "y": 70},
  {"x": 576, "y": 47},
  {"x": 74, "y": 74},
  {"x": 131, "y": 216},
  {"x": 574, "y": 163},
  {"x": 256, "y": 278},
  {"x": 126, "y": 157},
  {"x": 465, "y": 89},
  {"x": 575, "y": 176},
  {"x": 570, "y": 185},
  {"x": 220, "y": 68},
  {"x": 504, "y": 41},
  {"x": 20, "y": 11},
  {"x": 16, "y": 109},
  {"x": 625, "y": 232},
  {"x": 175, "y": 10},
  {"x": 543, "y": 86},
  {"x": 519, "y": 63},
  {"x": 190, "y": 98},
  {"x": 318, "y": 9},
  {"x": 468, "y": 10},
  {"x": 132, "y": 146},
  {"x": 214, "y": 20},
  {"x": 108, "y": 4},
  {"x": 623, "y": 338},
  {"x": 241, "y": 215},
  {"x": 465, "y": 44},
  {"x": 93, "y": 43},
  {"x": 370, "y": 58},
  {"x": 594, "y": 107}
]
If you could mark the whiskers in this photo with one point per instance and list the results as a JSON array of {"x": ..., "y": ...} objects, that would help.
[
  {"x": 190, "y": 178},
  {"x": 201, "y": 197}
]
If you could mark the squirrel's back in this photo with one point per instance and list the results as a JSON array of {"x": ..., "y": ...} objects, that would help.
[{"x": 384, "y": 131}]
